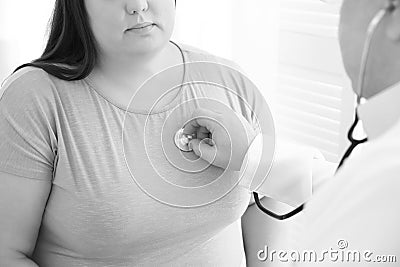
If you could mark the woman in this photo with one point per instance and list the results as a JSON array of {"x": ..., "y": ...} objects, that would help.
[{"x": 67, "y": 195}]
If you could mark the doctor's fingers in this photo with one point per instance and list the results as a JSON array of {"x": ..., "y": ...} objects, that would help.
[
  {"x": 204, "y": 150},
  {"x": 202, "y": 133},
  {"x": 205, "y": 118}
]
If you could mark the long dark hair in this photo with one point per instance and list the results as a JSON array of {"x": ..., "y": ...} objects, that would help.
[
  {"x": 70, "y": 53},
  {"x": 71, "y": 49}
]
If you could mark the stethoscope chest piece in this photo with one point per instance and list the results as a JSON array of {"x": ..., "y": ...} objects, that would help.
[{"x": 182, "y": 140}]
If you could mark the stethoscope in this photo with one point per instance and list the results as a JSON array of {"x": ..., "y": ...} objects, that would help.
[{"x": 182, "y": 140}]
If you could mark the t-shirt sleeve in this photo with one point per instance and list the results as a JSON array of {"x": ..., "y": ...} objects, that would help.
[
  {"x": 239, "y": 92},
  {"x": 251, "y": 104},
  {"x": 28, "y": 143}
]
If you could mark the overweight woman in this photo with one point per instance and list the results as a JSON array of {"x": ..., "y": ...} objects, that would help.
[{"x": 67, "y": 197}]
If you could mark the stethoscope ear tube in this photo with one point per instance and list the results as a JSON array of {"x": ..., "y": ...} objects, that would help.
[{"x": 391, "y": 5}]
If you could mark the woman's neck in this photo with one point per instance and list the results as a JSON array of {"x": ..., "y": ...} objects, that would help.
[{"x": 128, "y": 71}]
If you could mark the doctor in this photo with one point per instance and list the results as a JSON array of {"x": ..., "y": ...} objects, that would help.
[{"x": 354, "y": 217}]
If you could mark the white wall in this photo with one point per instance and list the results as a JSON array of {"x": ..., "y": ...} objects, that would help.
[
  {"x": 22, "y": 32},
  {"x": 242, "y": 30}
]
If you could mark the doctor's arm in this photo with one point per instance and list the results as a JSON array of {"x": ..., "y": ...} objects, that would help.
[
  {"x": 295, "y": 171},
  {"x": 289, "y": 176}
]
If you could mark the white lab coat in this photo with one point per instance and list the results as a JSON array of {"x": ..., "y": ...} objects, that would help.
[
  {"x": 357, "y": 212},
  {"x": 353, "y": 218}
]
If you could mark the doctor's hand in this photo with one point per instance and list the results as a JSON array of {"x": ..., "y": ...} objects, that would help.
[{"x": 231, "y": 136}]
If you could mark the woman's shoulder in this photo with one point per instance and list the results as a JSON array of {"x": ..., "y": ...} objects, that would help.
[
  {"x": 196, "y": 54},
  {"x": 26, "y": 80},
  {"x": 30, "y": 87},
  {"x": 26, "y": 74}
]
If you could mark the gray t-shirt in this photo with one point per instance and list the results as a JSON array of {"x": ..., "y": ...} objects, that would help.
[{"x": 67, "y": 133}]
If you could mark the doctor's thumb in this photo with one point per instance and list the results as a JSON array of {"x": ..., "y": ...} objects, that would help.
[{"x": 204, "y": 150}]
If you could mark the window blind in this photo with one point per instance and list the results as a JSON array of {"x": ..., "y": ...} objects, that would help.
[{"x": 313, "y": 102}]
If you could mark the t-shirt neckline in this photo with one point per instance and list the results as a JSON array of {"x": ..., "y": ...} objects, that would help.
[{"x": 132, "y": 110}]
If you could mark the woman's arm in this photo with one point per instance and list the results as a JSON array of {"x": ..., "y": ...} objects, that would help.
[
  {"x": 22, "y": 202},
  {"x": 260, "y": 230}
]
